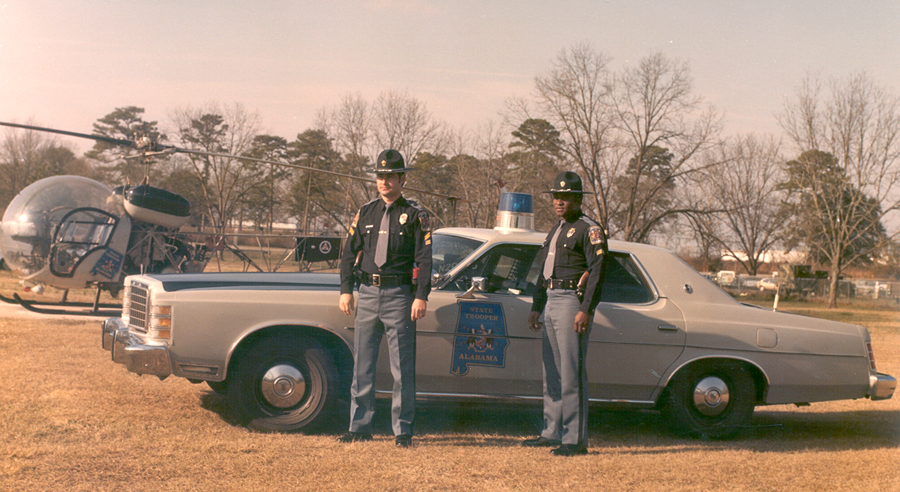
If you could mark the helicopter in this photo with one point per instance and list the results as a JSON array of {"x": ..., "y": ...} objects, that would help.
[{"x": 72, "y": 232}]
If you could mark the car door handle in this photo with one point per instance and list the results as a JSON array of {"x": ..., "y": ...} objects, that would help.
[{"x": 667, "y": 327}]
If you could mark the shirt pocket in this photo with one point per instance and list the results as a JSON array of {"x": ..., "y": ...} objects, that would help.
[{"x": 405, "y": 241}]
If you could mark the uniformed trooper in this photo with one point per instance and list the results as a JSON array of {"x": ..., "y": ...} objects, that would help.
[
  {"x": 567, "y": 295},
  {"x": 388, "y": 254}
]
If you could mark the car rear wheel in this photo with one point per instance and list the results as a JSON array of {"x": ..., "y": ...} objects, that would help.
[
  {"x": 711, "y": 399},
  {"x": 283, "y": 385}
]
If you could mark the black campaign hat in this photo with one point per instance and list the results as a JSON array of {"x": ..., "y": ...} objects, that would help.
[
  {"x": 566, "y": 182},
  {"x": 390, "y": 161}
]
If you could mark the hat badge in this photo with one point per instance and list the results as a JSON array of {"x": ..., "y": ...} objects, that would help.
[
  {"x": 562, "y": 183},
  {"x": 383, "y": 163}
]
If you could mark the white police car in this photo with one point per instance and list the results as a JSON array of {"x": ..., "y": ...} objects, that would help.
[{"x": 664, "y": 337}]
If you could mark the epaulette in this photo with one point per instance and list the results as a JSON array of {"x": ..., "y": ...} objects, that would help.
[
  {"x": 589, "y": 221},
  {"x": 371, "y": 202}
]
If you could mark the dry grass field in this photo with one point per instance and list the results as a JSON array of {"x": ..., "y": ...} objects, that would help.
[{"x": 72, "y": 420}]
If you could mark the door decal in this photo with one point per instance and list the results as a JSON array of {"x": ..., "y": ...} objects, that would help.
[{"x": 480, "y": 337}]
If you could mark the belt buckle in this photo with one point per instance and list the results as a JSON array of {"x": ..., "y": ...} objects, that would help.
[{"x": 376, "y": 280}]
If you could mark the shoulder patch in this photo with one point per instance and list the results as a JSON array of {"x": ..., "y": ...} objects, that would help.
[
  {"x": 596, "y": 234},
  {"x": 424, "y": 221},
  {"x": 355, "y": 221}
]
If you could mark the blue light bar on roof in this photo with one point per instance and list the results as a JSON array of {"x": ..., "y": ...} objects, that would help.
[{"x": 515, "y": 212}]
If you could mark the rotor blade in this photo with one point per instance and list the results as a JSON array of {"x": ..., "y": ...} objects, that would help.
[
  {"x": 297, "y": 166},
  {"x": 99, "y": 138},
  {"x": 168, "y": 149}
]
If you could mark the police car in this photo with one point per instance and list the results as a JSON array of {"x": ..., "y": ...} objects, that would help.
[{"x": 663, "y": 337}]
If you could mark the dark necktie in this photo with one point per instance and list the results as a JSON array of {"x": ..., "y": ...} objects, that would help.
[
  {"x": 381, "y": 246},
  {"x": 551, "y": 254}
]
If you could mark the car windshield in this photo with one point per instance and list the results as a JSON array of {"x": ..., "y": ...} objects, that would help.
[{"x": 447, "y": 251}]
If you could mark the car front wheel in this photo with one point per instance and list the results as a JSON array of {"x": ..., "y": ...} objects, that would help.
[
  {"x": 283, "y": 385},
  {"x": 711, "y": 399}
]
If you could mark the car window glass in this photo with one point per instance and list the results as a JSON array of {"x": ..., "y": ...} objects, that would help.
[
  {"x": 447, "y": 251},
  {"x": 622, "y": 281},
  {"x": 507, "y": 269}
]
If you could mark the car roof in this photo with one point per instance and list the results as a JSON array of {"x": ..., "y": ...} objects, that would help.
[{"x": 532, "y": 237}]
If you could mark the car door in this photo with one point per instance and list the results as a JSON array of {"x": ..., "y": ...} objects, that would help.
[
  {"x": 635, "y": 337},
  {"x": 480, "y": 343}
]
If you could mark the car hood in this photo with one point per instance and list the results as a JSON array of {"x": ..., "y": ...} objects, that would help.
[{"x": 243, "y": 281}]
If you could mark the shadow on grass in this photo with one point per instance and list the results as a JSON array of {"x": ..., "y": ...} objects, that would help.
[{"x": 504, "y": 424}]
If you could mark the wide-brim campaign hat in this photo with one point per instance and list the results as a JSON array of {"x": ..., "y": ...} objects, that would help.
[
  {"x": 390, "y": 161},
  {"x": 567, "y": 182}
]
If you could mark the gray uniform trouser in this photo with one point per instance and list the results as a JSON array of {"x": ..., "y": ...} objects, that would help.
[
  {"x": 565, "y": 372},
  {"x": 379, "y": 312}
]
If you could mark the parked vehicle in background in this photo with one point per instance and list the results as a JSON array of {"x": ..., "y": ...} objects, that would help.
[
  {"x": 871, "y": 289},
  {"x": 770, "y": 284},
  {"x": 725, "y": 277}
]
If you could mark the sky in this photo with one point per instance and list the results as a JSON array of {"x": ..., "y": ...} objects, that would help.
[{"x": 65, "y": 64}]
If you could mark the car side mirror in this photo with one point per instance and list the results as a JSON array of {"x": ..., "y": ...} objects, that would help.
[{"x": 478, "y": 284}]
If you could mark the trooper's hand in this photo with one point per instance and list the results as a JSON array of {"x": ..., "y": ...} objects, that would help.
[
  {"x": 534, "y": 321},
  {"x": 418, "y": 309},
  {"x": 582, "y": 322},
  {"x": 346, "y": 303}
]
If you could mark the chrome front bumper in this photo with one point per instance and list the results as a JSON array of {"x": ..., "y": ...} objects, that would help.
[
  {"x": 131, "y": 351},
  {"x": 881, "y": 386}
]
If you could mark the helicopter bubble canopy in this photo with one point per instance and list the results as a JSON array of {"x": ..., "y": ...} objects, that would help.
[{"x": 26, "y": 233}]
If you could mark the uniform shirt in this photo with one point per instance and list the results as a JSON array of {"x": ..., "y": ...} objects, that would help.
[
  {"x": 409, "y": 244},
  {"x": 579, "y": 248}
]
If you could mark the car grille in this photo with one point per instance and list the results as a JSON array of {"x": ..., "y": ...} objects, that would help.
[{"x": 139, "y": 308}]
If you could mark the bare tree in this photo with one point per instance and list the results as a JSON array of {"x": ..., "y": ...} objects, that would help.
[
  {"x": 349, "y": 125},
  {"x": 661, "y": 128},
  {"x": 28, "y": 155},
  {"x": 634, "y": 136},
  {"x": 222, "y": 130},
  {"x": 747, "y": 190},
  {"x": 574, "y": 98},
  {"x": 847, "y": 178},
  {"x": 402, "y": 122}
]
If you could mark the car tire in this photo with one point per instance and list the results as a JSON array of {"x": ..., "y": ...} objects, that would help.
[
  {"x": 711, "y": 399},
  {"x": 283, "y": 385},
  {"x": 219, "y": 387}
]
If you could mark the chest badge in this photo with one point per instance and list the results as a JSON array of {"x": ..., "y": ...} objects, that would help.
[
  {"x": 403, "y": 218},
  {"x": 571, "y": 232}
]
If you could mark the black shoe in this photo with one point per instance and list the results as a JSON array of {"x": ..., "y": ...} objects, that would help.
[
  {"x": 355, "y": 437},
  {"x": 403, "y": 440},
  {"x": 540, "y": 442},
  {"x": 569, "y": 450}
]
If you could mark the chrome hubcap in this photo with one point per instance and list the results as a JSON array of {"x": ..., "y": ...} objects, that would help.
[
  {"x": 711, "y": 396},
  {"x": 283, "y": 386}
]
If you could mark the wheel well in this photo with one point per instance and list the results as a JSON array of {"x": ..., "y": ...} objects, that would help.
[
  {"x": 760, "y": 382},
  {"x": 333, "y": 344}
]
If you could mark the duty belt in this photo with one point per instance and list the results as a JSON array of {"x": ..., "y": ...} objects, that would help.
[
  {"x": 377, "y": 280},
  {"x": 555, "y": 283}
]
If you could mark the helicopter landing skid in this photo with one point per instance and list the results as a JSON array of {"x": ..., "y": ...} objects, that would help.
[{"x": 68, "y": 308}]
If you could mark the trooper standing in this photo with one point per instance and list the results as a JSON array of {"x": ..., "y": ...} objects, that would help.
[
  {"x": 567, "y": 295},
  {"x": 388, "y": 253}
]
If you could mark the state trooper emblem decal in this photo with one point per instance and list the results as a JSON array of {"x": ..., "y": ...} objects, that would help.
[{"x": 480, "y": 337}]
